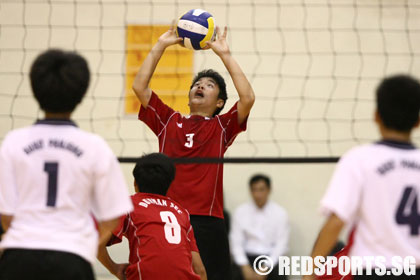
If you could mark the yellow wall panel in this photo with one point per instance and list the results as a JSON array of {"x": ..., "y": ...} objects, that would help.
[{"x": 173, "y": 75}]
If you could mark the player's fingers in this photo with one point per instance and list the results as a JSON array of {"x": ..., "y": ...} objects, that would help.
[
  {"x": 179, "y": 41},
  {"x": 218, "y": 31},
  {"x": 224, "y": 32},
  {"x": 173, "y": 25}
]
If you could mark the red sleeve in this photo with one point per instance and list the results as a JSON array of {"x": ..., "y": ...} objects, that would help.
[
  {"x": 229, "y": 122},
  {"x": 119, "y": 231},
  {"x": 191, "y": 239},
  {"x": 156, "y": 115}
]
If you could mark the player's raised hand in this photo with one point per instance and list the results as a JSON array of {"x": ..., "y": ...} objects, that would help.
[
  {"x": 169, "y": 37},
  {"x": 220, "y": 46}
]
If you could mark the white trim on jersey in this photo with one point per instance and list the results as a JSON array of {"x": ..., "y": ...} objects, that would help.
[
  {"x": 224, "y": 130},
  {"x": 154, "y": 110},
  {"x": 164, "y": 127},
  {"x": 188, "y": 232},
  {"x": 167, "y": 122},
  {"x": 139, "y": 245}
]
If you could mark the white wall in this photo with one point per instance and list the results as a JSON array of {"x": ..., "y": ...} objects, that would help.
[{"x": 313, "y": 64}]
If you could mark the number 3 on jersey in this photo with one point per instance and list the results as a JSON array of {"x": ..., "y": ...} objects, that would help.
[
  {"x": 172, "y": 228},
  {"x": 190, "y": 140},
  {"x": 408, "y": 212}
]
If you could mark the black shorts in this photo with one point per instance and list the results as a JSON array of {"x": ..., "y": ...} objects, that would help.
[
  {"x": 18, "y": 264},
  {"x": 212, "y": 241}
]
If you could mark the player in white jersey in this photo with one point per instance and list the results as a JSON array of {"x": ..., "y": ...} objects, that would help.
[
  {"x": 54, "y": 178},
  {"x": 375, "y": 187}
]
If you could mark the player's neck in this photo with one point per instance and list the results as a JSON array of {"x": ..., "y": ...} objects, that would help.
[
  {"x": 388, "y": 134},
  {"x": 61, "y": 116},
  {"x": 200, "y": 113}
]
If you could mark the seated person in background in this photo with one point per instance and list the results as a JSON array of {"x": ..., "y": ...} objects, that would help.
[
  {"x": 160, "y": 236},
  {"x": 259, "y": 227}
]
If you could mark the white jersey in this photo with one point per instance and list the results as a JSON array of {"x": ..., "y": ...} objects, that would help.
[
  {"x": 54, "y": 177},
  {"x": 375, "y": 187}
]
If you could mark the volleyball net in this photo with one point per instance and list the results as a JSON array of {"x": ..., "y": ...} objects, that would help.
[{"x": 313, "y": 64}]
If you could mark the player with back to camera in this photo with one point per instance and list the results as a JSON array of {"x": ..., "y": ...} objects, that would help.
[
  {"x": 53, "y": 178},
  {"x": 161, "y": 239},
  {"x": 203, "y": 133},
  {"x": 375, "y": 187}
]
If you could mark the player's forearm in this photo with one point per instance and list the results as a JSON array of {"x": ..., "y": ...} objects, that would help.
[
  {"x": 6, "y": 221},
  {"x": 145, "y": 73},
  {"x": 240, "y": 81},
  {"x": 202, "y": 274},
  {"x": 326, "y": 240},
  {"x": 198, "y": 265},
  {"x": 328, "y": 236},
  {"x": 104, "y": 237},
  {"x": 105, "y": 230},
  {"x": 106, "y": 260}
]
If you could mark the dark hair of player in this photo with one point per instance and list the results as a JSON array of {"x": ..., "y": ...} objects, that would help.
[
  {"x": 398, "y": 102},
  {"x": 59, "y": 80},
  {"x": 209, "y": 73},
  {"x": 154, "y": 173},
  {"x": 260, "y": 177}
]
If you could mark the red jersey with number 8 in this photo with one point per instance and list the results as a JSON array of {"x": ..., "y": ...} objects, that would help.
[
  {"x": 160, "y": 238},
  {"x": 198, "y": 187}
]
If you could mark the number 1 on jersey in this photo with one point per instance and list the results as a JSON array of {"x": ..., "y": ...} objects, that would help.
[
  {"x": 171, "y": 228},
  {"x": 51, "y": 168}
]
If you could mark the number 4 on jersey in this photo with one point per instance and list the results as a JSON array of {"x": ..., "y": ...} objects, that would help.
[{"x": 408, "y": 212}]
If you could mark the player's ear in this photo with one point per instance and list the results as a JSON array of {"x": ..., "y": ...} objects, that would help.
[
  {"x": 417, "y": 123},
  {"x": 220, "y": 103},
  {"x": 377, "y": 117}
]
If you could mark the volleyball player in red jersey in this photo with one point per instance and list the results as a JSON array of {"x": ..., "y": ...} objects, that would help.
[
  {"x": 203, "y": 133},
  {"x": 161, "y": 238}
]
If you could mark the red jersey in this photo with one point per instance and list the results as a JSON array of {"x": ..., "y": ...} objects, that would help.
[
  {"x": 198, "y": 187},
  {"x": 160, "y": 237}
]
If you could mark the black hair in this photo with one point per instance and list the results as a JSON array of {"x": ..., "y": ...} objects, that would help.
[
  {"x": 154, "y": 173},
  {"x": 398, "y": 102},
  {"x": 59, "y": 80},
  {"x": 260, "y": 177},
  {"x": 209, "y": 73}
]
